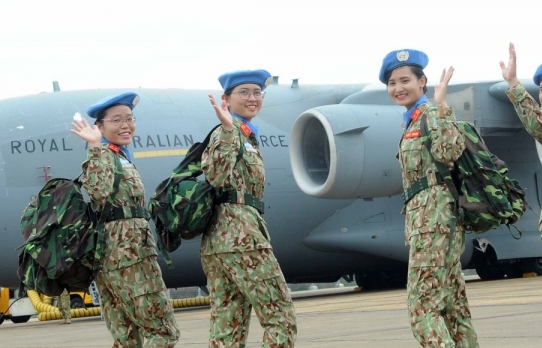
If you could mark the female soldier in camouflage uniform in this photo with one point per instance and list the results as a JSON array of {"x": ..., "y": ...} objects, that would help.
[
  {"x": 526, "y": 107},
  {"x": 437, "y": 301},
  {"x": 136, "y": 307},
  {"x": 242, "y": 271}
]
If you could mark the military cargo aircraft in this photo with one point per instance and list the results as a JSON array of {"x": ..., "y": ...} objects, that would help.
[{"x": 333, "y": 188}]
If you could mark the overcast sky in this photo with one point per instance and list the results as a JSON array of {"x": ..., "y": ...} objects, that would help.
[{"x": 188, "y": 44}]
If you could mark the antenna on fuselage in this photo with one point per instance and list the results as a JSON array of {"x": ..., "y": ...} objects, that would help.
[{"x": 56, "y": 86}]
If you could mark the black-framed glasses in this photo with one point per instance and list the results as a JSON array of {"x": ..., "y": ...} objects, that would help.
[
  {"x": 120, "y": 121},
  {"x": 245, "y": 94}
]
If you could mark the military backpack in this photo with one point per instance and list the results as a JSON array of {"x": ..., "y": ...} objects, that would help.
[
  {"x": 63, "y": 238},
  {"x": 484, "y": 195},
  {"x": 183, "y": 204}
]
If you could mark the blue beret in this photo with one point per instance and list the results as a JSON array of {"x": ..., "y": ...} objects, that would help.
[
  {"x": 235, "y": 78},
  {"x": 538, "y": 76},
  {"x": 396, "y": 59},
  {"x": 129, "y": 99}
]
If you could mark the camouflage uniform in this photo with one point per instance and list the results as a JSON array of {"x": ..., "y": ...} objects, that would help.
[
  {"x": 242, "y": 272},
  {"x": 530, "y": 115},
  {"x": 437, "y": 301},
  {"x": 133, "y": 294},
  {"x": 64, "y": 306}
]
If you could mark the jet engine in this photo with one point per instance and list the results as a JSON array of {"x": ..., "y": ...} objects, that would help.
[{"x": 347, "y": 151}]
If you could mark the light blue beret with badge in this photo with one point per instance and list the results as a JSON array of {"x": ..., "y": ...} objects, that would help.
[
  {"x": 129, "y": 99},
  {"x": 259, "y": 77},
  {"x": 538, "y": 76},
  {"x": 396, "y": 59}
]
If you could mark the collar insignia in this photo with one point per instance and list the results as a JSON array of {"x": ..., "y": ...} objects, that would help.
[
  {"x": 113, "y": 148},
  {"x": 245, "y": 129}
]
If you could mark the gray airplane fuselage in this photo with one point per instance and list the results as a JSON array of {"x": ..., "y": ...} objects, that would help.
[{"x": 336, "y": 233}]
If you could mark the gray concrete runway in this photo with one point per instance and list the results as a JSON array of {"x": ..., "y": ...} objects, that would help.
[{"x": 507, "y": 314}]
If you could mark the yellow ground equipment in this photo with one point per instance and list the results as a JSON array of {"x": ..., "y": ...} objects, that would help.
[{"x": 17, "y": 310}]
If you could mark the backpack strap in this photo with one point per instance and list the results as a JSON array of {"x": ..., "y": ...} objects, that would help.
[
  {"x": 420, "y": 185},
  {"x": 98, "y": 254},
  {"x": 129, "y": 212},
  {"x": 446, "y": 175},
  {"x": 232, "y": 196},
  {"x": 441, "y": 167}
]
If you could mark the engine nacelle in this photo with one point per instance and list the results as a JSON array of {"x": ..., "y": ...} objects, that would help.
[{"x": 347, "y": 151}]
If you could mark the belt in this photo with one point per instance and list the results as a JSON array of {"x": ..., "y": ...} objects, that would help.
[
  {"x": 419, "y": 185},
  {"x": 232, "y": 197},
  {"x": 119, "y": 213}
]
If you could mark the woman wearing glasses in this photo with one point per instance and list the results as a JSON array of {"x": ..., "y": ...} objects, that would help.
[
  {"x": 236, "y": 254},
  {"x": 136, "y": 307}
]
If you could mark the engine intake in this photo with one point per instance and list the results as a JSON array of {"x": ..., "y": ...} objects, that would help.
[{"x": 347, "y": 151}]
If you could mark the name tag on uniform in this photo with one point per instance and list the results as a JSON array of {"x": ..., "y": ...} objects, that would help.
[
  {"x": 249, "y": 147},
  {"x": 413, "y": 134}
]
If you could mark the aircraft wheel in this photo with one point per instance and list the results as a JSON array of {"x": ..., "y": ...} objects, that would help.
[
  {"x": 399, "y": 279},
  {"x": 76, "y": 302},
  {"x": 381, "y": 281},
  {"x": 1, "y": 318},
  {"x": 538, "y": 265},
  {"x": 513, "y": 271},
  {"x": 20, "y": 319},
  {"x": 532, "y": 264},
  {"x": 486, "y": 266},
  {"x": 366, "y": 282}
]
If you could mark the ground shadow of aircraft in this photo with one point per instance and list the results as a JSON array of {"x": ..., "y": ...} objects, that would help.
[{"x": 332, "y": 198}]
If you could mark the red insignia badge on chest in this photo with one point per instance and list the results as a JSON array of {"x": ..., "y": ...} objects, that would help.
[
  {"x": 413, "y": 134},
  {"x": 113, "y": 148},
  {"x": 245, "y": 129},
  {"x": 416, "y": 115}
]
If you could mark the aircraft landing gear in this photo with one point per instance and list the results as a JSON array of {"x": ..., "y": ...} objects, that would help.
[
  {"x": 486, "y": 265},
  {"x": 381, "y": 280},
  {"x": 532, "y": 264},
  {"x": 20, "y": 319},
  {"x": 489, "y": 267}
]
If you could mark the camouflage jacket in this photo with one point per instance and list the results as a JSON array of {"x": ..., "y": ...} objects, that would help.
[
  {"x": 234, "y": 227},
  {"x": 429, "y": 210},
  {"x": 530, "y": 115},
  {"x": 127, "y": 241}
]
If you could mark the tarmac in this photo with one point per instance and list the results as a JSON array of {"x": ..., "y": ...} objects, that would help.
[{"x": 506, "y": 314}]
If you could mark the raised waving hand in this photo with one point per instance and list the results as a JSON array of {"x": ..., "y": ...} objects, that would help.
[
  {"x": 222, "y": 113},
  {"x": 509, "y": 72},
  {"x": 91, "y": 134},
  {"x": 441, "y": 89}
]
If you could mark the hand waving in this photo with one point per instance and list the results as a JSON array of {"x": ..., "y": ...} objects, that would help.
[
  {"x": 509, "y": 72},
  {"x": 222, "y": 113},
  {"x": 441, "y": 89},
  {"x": 82, "y": 129}
]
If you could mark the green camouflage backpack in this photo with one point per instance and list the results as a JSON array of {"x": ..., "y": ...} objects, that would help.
[
  {"x": 182, "y": 204},
  {"x": 485, "y": 196},
  {"x": 63, "y": 238}
]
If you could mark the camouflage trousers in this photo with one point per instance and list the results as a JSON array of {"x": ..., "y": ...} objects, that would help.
[
  {"x": 437, "y": 300},
  {"x": 136, "y": 306},
  {"x": 64, "y": 305},
  {"x": 241, "y": 281}
]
